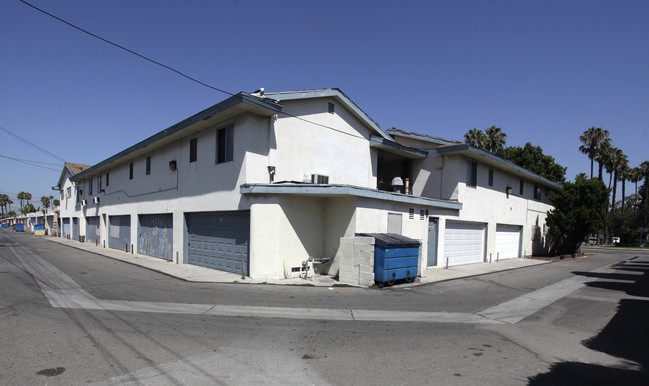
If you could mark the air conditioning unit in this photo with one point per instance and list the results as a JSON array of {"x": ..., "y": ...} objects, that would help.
[
  {"x": 84, "y": 202},
  {"x": 319, "y": 179},
  {"x": 95, "y": 200}
]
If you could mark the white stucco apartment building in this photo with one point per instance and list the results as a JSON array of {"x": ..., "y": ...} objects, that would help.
[{"x": 257, "y": 184}]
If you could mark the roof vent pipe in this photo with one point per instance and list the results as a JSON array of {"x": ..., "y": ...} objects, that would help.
[
  {"x": 407, "y": 186},
  {"x": 397, "y": 185}
]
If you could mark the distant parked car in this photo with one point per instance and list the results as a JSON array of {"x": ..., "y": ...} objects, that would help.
[
  {"x": 592, "y": 240},
  {"x": 616, "y": 240}
]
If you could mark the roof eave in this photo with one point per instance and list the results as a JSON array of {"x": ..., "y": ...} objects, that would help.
[
  {"x": 492, "y": 159},
  {"x": 396, "y": 148},
  {"x": 222, "y": 111},
  {"x": 336, "y": 93}
]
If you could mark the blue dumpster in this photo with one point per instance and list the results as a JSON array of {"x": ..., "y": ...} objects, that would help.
[
  {"x": 19, "y": 227},
  {"x": 5, "y": 225},
  {"x": 39, "y": 227},
  {"x": 396, "y": 257}
]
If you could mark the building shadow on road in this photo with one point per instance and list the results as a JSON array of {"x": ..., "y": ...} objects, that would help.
[{"x": 626, "y": 336}]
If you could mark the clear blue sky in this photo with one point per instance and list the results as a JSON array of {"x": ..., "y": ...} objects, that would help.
[{"x": 543, "y": 71}]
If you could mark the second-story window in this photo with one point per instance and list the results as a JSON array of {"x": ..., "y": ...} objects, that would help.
[
  {"x": 225, "y": 144},
  {"x": 107, "y": 178},
  {"x": 521, "y": 190},
  {"x": 491, "y": 177},
  {"x": 148, "y": 165},
  {"x": 193, "y": 150},
  {"x": 537, "y": 192},
  {"x": 90, "y": 187},
  {"x": 472, "y": 174},
  {"x": 99, "y": 184},
  {"x": 130, "y": 171}
]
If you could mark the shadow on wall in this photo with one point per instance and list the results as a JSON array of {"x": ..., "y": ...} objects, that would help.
[
  {"x": 540, "y": 240},
  {"x": 626, "y": 335},
  {"x": 319, "y": 224}
]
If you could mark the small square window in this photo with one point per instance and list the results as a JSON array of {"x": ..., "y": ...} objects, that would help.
[
  {"x": 330, "y": 108},
  {"x": 193, "y": 150},
  {"x": 130, "y": 171},
  {"x": 491, "y": 177},
  {"x": 148, "y": 165},
  {"x": 422, "y": 214},
  {"x": 411, "y": 213}
]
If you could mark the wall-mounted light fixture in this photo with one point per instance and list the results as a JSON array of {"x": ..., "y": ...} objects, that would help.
[
  {"x": 172, "y": 165},
  {"x": 508, "y": 191},
  {"x": 271, "y": 172}
]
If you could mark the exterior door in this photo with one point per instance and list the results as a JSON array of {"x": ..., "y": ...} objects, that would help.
[
  {"x": 432, "y": 241},
  {"x": 394, "y": 223},
  {"x": 220, "y": 240}
]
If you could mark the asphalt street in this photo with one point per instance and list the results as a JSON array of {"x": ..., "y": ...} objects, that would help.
[{"x": 72, "y": 317}]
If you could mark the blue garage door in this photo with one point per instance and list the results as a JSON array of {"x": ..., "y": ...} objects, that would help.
[
  {"x": 75, "y": 228},
  {"x": 220, "y": 240},
  {"x": 119, "y": 235},
  {"x": 92, "y": 229},
  {"x": 65, "y": 228},
  {"x": 155, "y": 235}
]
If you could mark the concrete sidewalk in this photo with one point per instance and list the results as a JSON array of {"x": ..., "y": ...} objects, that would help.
[{"x": 195, "y": 273}]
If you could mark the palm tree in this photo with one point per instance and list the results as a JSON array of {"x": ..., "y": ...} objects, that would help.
[
  {"x": 4, "y": 200},
  {"x": 625, "y": 175},
  {"x": 619, "y": 162},
  {"x": 635, "y": 176},
  {"x": 24, "y": 196},
  {"x": 45, "y": 201},
  {"x": 495, "y": 139},
  {"x": 593, "y": 139},
  {"x": 581, "y": 177},
  {"x": 476, "y": 138}
]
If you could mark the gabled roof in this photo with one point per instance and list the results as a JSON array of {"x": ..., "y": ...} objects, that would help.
[
  {"x": 335, "y": 93},
  {"x": 73, "y": 169},
  {"x": 224, "y": 110},
  {"x": 491, "y": 159},
  {"x": 421, "y": 137}
]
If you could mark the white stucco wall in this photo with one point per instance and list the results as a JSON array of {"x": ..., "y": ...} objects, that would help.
[{"x": 303, "y": 148}]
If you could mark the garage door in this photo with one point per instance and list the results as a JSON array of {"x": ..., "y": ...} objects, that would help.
[
  {"x": 92, "y": 229},
  {"x": 120, "y": 232},
  {"x": 75, "y": 228},
  {"x": 464, "y": 242},
  {"x": 155, "y": 235},
  {"x": 219, "y": 240},
  {"x": 65, "y": 229},
  {"x": 508, "y": 241}
]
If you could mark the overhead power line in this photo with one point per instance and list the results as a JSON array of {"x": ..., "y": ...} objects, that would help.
[
  {"x": 28, "y": 162},
  {"x": 173, "y": 69},
  {"x": 31, "y": 144}
]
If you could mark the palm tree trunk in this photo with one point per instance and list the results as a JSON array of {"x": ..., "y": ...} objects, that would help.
[
  {"x": 591, "y": 167},
  {"x": 601, "y": 168},
  {"x": 614, "y": 191},
  {"x": 623, "y": 193}
]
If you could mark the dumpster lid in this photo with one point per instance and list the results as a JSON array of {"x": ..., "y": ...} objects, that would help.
[{"x": 391, "y": 238}]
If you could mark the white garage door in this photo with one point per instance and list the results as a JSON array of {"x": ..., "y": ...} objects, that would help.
[
  {"x": 508, "y": 241},
  {"x": 464, "y": 242}
]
